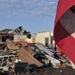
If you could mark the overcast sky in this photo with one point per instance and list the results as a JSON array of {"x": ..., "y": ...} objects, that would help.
[{"x": 34, "y": 15}]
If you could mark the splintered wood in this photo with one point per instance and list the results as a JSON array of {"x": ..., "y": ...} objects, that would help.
[{"x": 12, "y": 47}]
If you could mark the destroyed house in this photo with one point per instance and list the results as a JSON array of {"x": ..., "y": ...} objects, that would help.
[
  {"x": 15, "y": 35},
  {"x": 5, "y": 34}
]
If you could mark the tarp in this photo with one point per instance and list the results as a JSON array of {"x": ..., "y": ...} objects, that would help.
[{"x": 64, "y": 30}]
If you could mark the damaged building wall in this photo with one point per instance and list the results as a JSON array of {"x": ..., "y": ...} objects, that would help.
[
  {"x": 29, "y": 40},
  {"x": 43, "y": 37},
  {"x": 19, "y": 38}
]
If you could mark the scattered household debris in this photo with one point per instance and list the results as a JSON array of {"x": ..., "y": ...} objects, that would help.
[
  {"x": 43, "y": 48},
  {"x": 33, "y": 55}
]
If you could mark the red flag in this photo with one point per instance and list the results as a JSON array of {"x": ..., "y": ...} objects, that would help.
[{"x": 64, "y": 30}]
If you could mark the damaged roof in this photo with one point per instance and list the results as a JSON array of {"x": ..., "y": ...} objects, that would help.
[
  {"x": 26, "y": 56},
  {"x": 6, "y": 30}
]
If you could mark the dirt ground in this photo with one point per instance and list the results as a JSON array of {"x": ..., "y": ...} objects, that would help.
[
  {"x": 53, "y": 71},
  {"x": 50, "y": 71}
]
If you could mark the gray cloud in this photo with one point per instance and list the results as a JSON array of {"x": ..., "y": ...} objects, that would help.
[{"x": 31, "y": 8}]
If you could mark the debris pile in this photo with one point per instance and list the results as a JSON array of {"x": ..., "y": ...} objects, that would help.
[{"x": 33, "y": 56}]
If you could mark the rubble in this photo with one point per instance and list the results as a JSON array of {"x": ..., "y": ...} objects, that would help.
[
  {"x": 25, "y": 56},
  {"x": 55, "y": 63},
  {"x": 35, "y": 55},
  {"x": 41, "y": 47},
  {"x": 12, "y": 47}
]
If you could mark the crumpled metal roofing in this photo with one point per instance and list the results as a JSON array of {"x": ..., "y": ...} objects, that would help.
[{"x": 44, "y": 49}]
